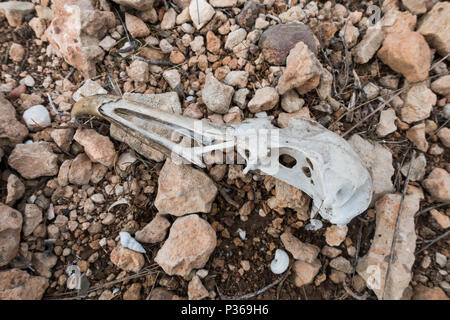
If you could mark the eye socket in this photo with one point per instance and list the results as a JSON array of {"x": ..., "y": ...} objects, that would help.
[
  {"x": 287, "y": 161},
  {"x": 306, "y": 171}
]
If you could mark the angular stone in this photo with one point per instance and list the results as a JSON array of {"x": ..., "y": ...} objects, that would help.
[
  {"x": 416, "y": 135},
  {"x": 34, "y": 160},
  {"x": 387, "y": 123},
  {"x": 342, "y": 264},
  {"x": 138, "y": 71},
  {"x": 305, "y": 272},
  {"x": 136, "y": 27},
  {"x": 136, "y": 4},
  {"x": 335, "y": 235},
  {"x": 418, "y": 170},
  {"x": 442, "y": 86},
  {"x": 234, "y": 38},
  {"x": 441, "y": 219},
  {"x": 395, "y": 21},
  {"x": 438, "y": 184},
  {"x": 62, "y": 137},
  {"x": 418, "y": 104},
  {"x": 127, "y": 259},
  {"x": 10, "y": 228},
  {"x": 155, "y": 231},
  {"x": 44, "y": 262},
  {"x": 213, "y": 42},
  {"x": 11, "y": 130},
  {"x": 80, "y": 170},
  {"x": 284, "y": 118},
  {"x": 15, "y": 11},
  {"x": 434, "y": 27},
  {"x": 237, "y": 79},
  {"x": 15, "y": 189},
  {"x": 216, "y": 95},
  {"x": 299, "y": 250},
  {"x": 133, "y": 292},
  {"x": 368, "y": 46},
  {"x": 201, "y": 13},
  {"x": 99, "y": 148},
  {"x": 191, "y": 241},
  {"x": 415, "y": 6},
  {"x": 32, "y": 217},
  {"x": 196, "y": 290},
  {"x": 16, "y": 284},
  {"x": 444, "y": 136},
  {"x": 291, "y": 102},
  {"x": 278, "y": 40},
  {"x": 264, "y": 99}
]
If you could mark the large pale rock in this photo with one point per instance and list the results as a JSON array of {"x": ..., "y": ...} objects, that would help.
[
  {"x": 264, "y": 99},
  {"x": 299, "y": 250},
  {"x": 11, "y": 130},
  {"x": 291, "y": 102},
  {"x": 15, "y": 11},
  {"x": 127, "y": 259},
  {"x": 378, "y": 160},
  {"x": 136, "y": 4},
  {"x": 34, "y": 160},
  {"x": 89, "y": 88},
  {"x": 435, "y": 27},
  {"x": 191, "y": 241},
  {"x": 183, "y": 189},
  {"x": 216, "y": 95},
  {"x": 368, "y": 46},
  {"x": 75, "y": 32},
  {"x": 234, "y": 38},
  {"x": 438, "y": 184},
  {"x": 16, "y": 284},
  {"x": 419, "y": 102},
  {"x": 284, "y": 118},
  {"x": 99, "y": 148},
  {"x": 302, "y": 70},
  {"x": 373, "y": 266},
  {"x": 37, "y": 118},
  {"x": 407, "y": 53},
  {"x": 10, "y": 227},
  {"x": 201, "y": 12},
  {"x": 155, "y": 231}
]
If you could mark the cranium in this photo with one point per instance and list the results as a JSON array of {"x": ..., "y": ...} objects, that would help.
[{"x": 323, "y": 165}]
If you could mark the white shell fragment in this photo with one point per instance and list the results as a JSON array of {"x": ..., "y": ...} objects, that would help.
[
  {"x": 127, "y": 241},
  {"x": 118, "y": 202},
  {"x": 37, "y": 117},
  {"x": 280, "y": 263}
]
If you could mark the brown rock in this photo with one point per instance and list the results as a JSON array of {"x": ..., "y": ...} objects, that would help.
[
  {"x": 335, "y": 235},
  {"x": 155, "y": 231},
  {"x": 176, "y": 57},
  {"x": 98, "y": 148},
  {"x": 284, "y": 118},
  {"x": 15, "y": 11},
  {"x": 11, "y": 130},
  {"x": 396, "y": 21},
  {"x": 434, "y": 26},
  {"x": 44, "y": 262},
  {"x": 424, "y": 293},
  {"x": 15, "y": 189},
  {"x": 80, "y": 170},
  {"x": 136, "y": 4},
  {"x": 299, "y": 250},
  {"x": 32, "y": 217},
  {"x": 419, "y": 102},
  {"x": 213, "y": 42},
  {"x": 441, "y": 219},
  {"x": 133, "y": 292},
  {"x": 34, "y": 160},
  {"x": 196, "y": 290},
  {"x": 136, "y": 26},
  {"x": 127, "y": 259},
  {"x": 160, "y": 294},
  {"x": 16, "y": 52},
  {"x": 417, "y": 136},
  {"x": 10, "y": 227},
  {"x": 183, "y": 189},
  {"x": 62, "y": 138},
  {"x": 278, "y": 40},
  {"x": 442, "y": 86},
  {"x": 247, "y": 17},
  {"x": 264, "y": 99},
  {"x": 305, "y": 272},
  {"x": 407, "y": 53},
  {"x": 19, "y": 285},
  {"x": 373, "y": 266},
  {"x": 438, "y": 184},
  {"x": 191, "y": 241}
]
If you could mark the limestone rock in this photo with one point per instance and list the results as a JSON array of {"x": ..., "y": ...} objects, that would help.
[
  {"x": 438, "y": 184},
  {"x": 305, "y": 272},
  {"x": 191, "y": 241},
  {"x": 127, "y": 259},
  {"x": 395, "y": 21},
  {"x": 62, "y": 137},
  {"x": 418, "y": 104},
  {"x": 136, "y": 4},
  {"x": 284, "y": 118},
  {"x": 442, "y": 86},
  {"x": 299, "y": 250},
  {"x": 15, "y": 189},
  {"x": 415, "y": 6},
  {"x": 201, "y": 13},
  {"x": 335, "y": 235},
  {"x": 11, "y": 130},
  {"x": 99, "y": 148},
  {"x": 80, "y": 170},
  {"x": 32, "y": 217},
  {"x": 16, "y": 284},
  {"x": 155, "y": 231},
  {"x": 10, "y": 228},
  {"x": 291, "y": 102},
  {"x": 368, "y": 46},
  {"x": 216, "y": 95},
  {"x": 444, "y": 136},
  {"x": 416, "y": 135},
  {"x": 15, "y": 11},
  {"x": 387, "y": 123},
  {"x": 196, "y": 290},
  {"x": 234, "y": 38},
  {"x": 89, "y": 88},
  {"x": 136, "y": 26},
  {"x": 418, "y": 170},
  {"x": 44, "y": 262},
  {"x": 138, "y": 71},
  {"x": 264, "y": 99},
  {"x": 435, "y": 27}
]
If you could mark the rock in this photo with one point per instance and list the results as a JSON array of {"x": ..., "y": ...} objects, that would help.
[
  {"x": 371, "y": 90},
  {"x": 138, "y": 71},
  {"x": 415, "y": 6},
  {"x": 10, "y": 227},
  {"x": 330, "y": 252},
  {"x": 373, "y": 266},
  {"x": 305, "y": 272},
  {"x": 294, "y": 14},
  {"x": 169, "y": 19},
  {"x": 15, "y": 190},
  {"x": 133, "y": 292},
  {"x": 76, "y": 36},
  {"x": 172, "y": 77},
  {"x": 438, "y": 185},
  {"x": 34, "y": 160},
  {"x": 16, "y": 284},
  {"x": 16, "y": 52},
  {"x": 350, "y": 33},
  {"x": 62, "y": 137},
  {"x": 387, "y": 123},
  {"x": 196, "y": 290},
  {"x": 216, "y": 95},
  {"x": 441, "y": 260},
  {"x": 237, "y": 79},
  {"x": 223, "y": 3},
  {"x": 107, "y": 43},
  {"x": 44, "y": 262},
  {"x": 15, "y": 11},
  {"x": 418, "y": 104},
  {"x": 89, "y": 88},
  {"x": 176, "y": 57},
  {"x": 213, "y": 43},
  {"x": 264, "y": 99},
  {"x": 99, "y": 148},
  {"x": 284, "y": 118},
  {"x": 441, "y": 219},
  {"x": 136, "y": 4},
  {"x": 368, "y": 46},
  {"x": 424, "y": 293},
  {"x": 136, "y": 27},
  {"x": 240, "y": 96},
  {"x": 442, "y": 86},
  {"x": 278, "y": 40},
  {"x": 191, "y": 241},
  {"x": 407, "y": 53},
  {"x": 201, "y": 13},
  {"x": 11, "y": 130},
  {"x": 127, "y": 259},
  {"x": 418, "y": 170},
  {"x": 335, "y": 235},
  {"x": 378, "y": 160},
  {"x": 126, "y": 159},
  {"x": 37, "y": 118},
  {"x": 444, "y": 136},
  {"x": 247, "y": 17},
  {"x": 342, "y": 264},
  {"x": 234, "y": 38},
  {"x": 416, "y": 135},
  {"x": 395, "y": 21},
  {"x": 160, "y": 294},
  {"x": 299, "y": 250},
  {"x": 291, "y": 102},
  {"x": 434, "y": 27},
  {"x": 155, "y": 231},
  {"x": 80, "y": 170},
  {"x": 32, "y": 217},
  {"x": 183, "y": 189},
  {"x": 302, "y": 70},
  {"x": 234, "y": 115},
  {"x": 39, "y": 26}
]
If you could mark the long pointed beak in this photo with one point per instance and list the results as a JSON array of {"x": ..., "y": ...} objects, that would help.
[{"x": 91, "y": 105}]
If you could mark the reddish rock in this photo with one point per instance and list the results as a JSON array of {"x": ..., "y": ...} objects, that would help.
[
  {"x": 299, "y": 250},
  {"x": 247, "y": 17},
  {"x": 99, "y": 148},
  {"x": 213, "y": 43},
  {"x": 335, "y": 235},
  {"x": 305, "y": 272},
  {"x": 127, "y": 259},
  {"x": 10, "y": 227},
  {"x": 136, "y": 26},
  {"x": 80, "y": 170},
  {"x": 155, "y": 231},
  {"x": 11, "y": 130},
  {"x": 438, "y": 184},
  {"x": 62, "y": 138},
  {"x": 136, "y": 4},
  {"x": 32, "y": 217},
  {"x": 19, "y": 285},
  {"x": 196, "y": 290},
  {"x": 133, "y": 292},
  {"x": 416, "y": 135},
  {"x": 424, "y": 293},
  {"x": 15, "y": 189}
]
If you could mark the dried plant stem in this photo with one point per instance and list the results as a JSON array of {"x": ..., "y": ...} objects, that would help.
[{"x": 433, "y": 241}]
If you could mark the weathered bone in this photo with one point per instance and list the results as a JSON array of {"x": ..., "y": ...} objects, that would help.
[{"x": 326, "y": 167}]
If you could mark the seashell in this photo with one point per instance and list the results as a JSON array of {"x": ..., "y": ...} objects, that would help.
[
  {"x": 37, "y": 117},
  {"x": 242, "y": 234},
  {"x": 118, "y": 202},
  {"x": 280, "y": 263},
  {"x": 129, "y": 242}
]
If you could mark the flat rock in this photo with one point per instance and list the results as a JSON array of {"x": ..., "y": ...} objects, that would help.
[
  {"x": 34, "y": 160},
  {"x": 196, "y": 289},
  {"x": 216, "y": 95},
  {"x": 127, "y": 259},
  {"x": 284, "y": 118},
  {"x": 183, "y": 190},
  {"x": 80, "y": 170},
  {"x": 299, "y": 250},
  {"x": 419, "y": 102},
  {"x": 201, "y": 13},
  {"x": 407, "y": 53},
  {"x": 98, "y": 148},
  {"x": 191, "y": 241},
  {"x": 278, "y": 40},
  {"x": 386, "y": 125},
  {"x": 16, "y": 284},
  {"x": 373, "y": 266},
  {"x": 10, "y": 228},
  {"x": 11, "y": 130},
  {"x": 153, "y": 232},
  {"x": 368, "y": 46},
  {"x": 438, "y": 184},
  {"x": 434, "y": 26},
  {"x": 89, "y": 88}
]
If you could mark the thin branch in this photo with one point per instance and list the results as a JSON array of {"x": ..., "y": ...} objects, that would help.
[
  {"x": 433, "y": 242},
  {"x": 354, "y": 295},
  {"x": 156, "y": 62}
]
